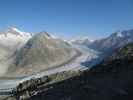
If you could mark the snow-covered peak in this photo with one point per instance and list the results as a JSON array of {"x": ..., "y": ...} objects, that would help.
[
  {"x": 13, "y": 38},
  {"x": 87, "y": 38},
  {"x": 122, "y": 34},
  {"x": 84, "y": 40},
  {"x": 14, "y": 29},
  {"x": 119, "y": 34},
  {"x": 17, "y": 32}
]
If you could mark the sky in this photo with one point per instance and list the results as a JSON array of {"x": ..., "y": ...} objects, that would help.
[{"x": 68, "y": 18}]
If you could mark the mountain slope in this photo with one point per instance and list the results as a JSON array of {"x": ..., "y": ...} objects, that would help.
[
  {"x": 41, "y": 52},
  {"x": 121, "y": 60},
  {"x": 114, "y": 41},
  {"x": 108, "y": 44},
  {"x": 110, "y": 80},
  {"x": 10, "y": 40}
]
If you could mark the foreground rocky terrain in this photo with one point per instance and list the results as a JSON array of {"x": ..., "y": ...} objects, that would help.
[
  {"x": 109, "y": 80},
  {"x": 31, "y": 87}
]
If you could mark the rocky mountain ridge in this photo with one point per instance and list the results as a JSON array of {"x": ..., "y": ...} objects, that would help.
[{"x": 108, "y": 44}]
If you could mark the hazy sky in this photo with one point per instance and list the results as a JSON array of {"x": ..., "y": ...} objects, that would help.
[{"x": 68, "y": 18}]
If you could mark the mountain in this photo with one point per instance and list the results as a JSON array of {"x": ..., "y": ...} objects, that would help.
[
  {"x": 114, "y": 41},
  {"x": 41, "y": 52},
  {"x": 10, "y": 40},
  {"x": 119, "y": 60},
  {"x": 109, "y": 80},
  {"x": 82, "y": 41},
  {"x": 110, "y": 43}
]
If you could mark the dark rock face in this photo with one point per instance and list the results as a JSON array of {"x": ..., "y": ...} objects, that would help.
[
  {"x": 29, "y": 88},
  {"x": 23, "y": 90}
]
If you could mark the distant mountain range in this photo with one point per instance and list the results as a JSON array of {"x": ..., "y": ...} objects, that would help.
[
  {"x": 82, "y": 41},
  {"x": 23, "y": 54},
  {"x": 112, "y": 42}
]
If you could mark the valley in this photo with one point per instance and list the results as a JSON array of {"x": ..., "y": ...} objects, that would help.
[
  {"x": 109, "y": 80},
  {"x": 41, "y": 64},
  {"x": 74, "y": 64},
  {"x": 66, "y": 50}
]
